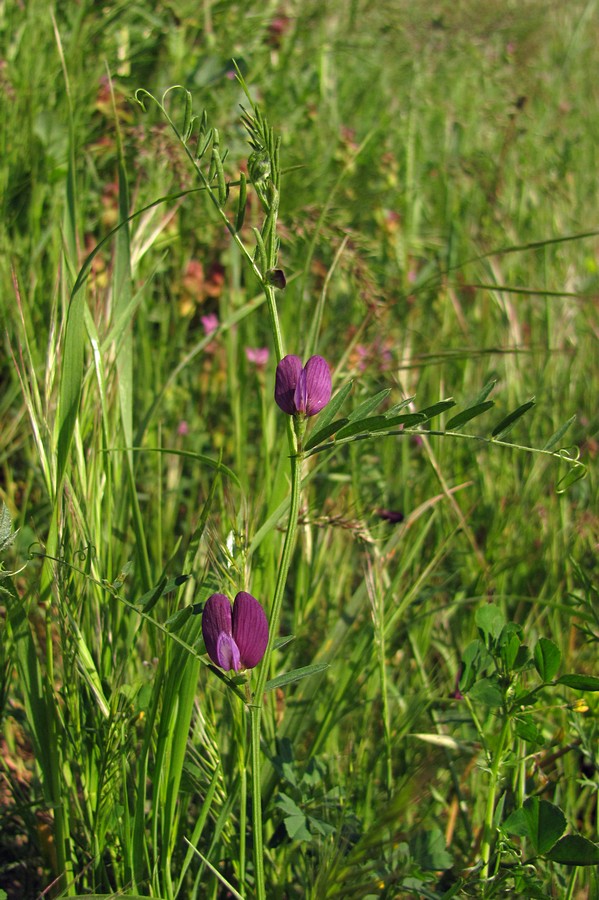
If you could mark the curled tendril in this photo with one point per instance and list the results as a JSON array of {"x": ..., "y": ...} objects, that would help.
[
  {"x": 570, "y": 454},
  {"x": 87, "y": 552},
  {"x": 576, "y": 470}
]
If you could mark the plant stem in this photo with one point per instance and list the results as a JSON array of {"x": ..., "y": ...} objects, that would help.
[
  {"x": 256, "y": 706},
  {"x": 255, "y": 715},
  {"x": 488, "y": 829}
]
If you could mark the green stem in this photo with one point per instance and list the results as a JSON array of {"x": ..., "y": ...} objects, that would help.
[
  {"x": 241, "y": 729},
  {"x": 274, "y": 321},
  {"x": 255, "y": 715},
  {"x": 571, "y": 885},
  {"x": 488, "y": 829},
  {"x": 277, "y": 602},
  {"x": 256, "y": 707}
]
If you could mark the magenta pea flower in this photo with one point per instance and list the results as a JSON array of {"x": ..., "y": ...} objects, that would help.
[
  {"x": 235, "y": 639},
  {"x": 303, "y": 390}
]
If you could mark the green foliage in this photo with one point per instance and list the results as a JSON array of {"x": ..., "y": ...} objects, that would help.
[
  {"x": 495, "y": 676},
  {"x": 408, "y": 190}
]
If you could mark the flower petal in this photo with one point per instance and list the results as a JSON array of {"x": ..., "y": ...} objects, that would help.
[
  {"x": 250, "y": 629},
  {"x": 227, "y": 652},
  {"x": 287, "y": 377},
  {"x": 216, "y": 620},
  {"x": 318, "y": 384},
  {"x": 300, "y": 395}
]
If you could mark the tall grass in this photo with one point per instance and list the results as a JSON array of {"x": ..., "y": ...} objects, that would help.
[{"x": 424, "y": 722}]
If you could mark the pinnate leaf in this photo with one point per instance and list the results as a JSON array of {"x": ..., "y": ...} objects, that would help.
[
  {"x": 467, "y": 414},
  {"x": 506, "y": 423}
]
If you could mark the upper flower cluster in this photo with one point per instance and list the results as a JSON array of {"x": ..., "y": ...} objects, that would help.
[
  {"x": 302, "y": 390},
  {"x": 235, "y": 639}
]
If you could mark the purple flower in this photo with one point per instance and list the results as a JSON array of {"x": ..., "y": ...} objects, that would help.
[
  {"x": 304, "y": 390},
  {"x": 234, "y": 639}
]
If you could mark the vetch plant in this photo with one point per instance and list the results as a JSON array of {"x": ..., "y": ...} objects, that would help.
[
  {"x": 234, "y": 639},
  {"x": 241, "y": 637}
]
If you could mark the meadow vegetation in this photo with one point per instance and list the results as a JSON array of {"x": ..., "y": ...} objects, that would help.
[{"x": 408, "y": 190}]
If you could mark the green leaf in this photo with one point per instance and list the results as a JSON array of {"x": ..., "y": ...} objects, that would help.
[
  {"x": 487, "y": 691},
  {"x": 467, "y": 414},
  {"x": 506, "y": 424},
  {"x": 149, "y": 600},
  {"x": 556, "y": 438},
  {"x": 295, "y": 675},
  {"x": 580, "y": 682},
  {"x": 437, "y": 408},
  {"x": 282, "y": 641},
  {"x": 71, "y": 381},
  {"x": 546, "y": 823},
  {"x": 516, "y": 823},
  {"x": 428, "y": 849},
  {"x": 522, "y": 659},
  {"x": 509, "y": 647},
  {"x": 490, "y": 620},
  {"x": 297, "y": 829},
  {"x": 541, "y": 822},
  {"x": 397, "y": 407},
  {"x": 320, "y": 827},
  {"x": 547, "y": 658},
  {"x": 475, "y": 659},
  {"x": 485, "y": 392},
  {"x": 179, "y": 618},
  {"x": 322, "y": 434},
  {"x": 365, "y": 408},
  {"x": 575, "y": 850},
  {"x": 333, "y": 406},
  {"x": 406, "y": 419},
  {"x": 288, "y": 805},
  {"x": 363, "y": 426}
]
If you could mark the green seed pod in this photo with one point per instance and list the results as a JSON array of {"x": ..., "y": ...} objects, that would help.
[{"x": 242, "y": 202}]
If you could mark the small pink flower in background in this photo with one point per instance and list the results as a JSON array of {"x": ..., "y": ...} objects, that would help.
[
  {"x": 209, "y": 323},
  {"x": 183, "y": 428},
  {"x": 385, "y": 357},
  {"x": 379, "y": 354},
  {"x": 258, "y": 356},
  {"x": 362, "y": 353}
]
